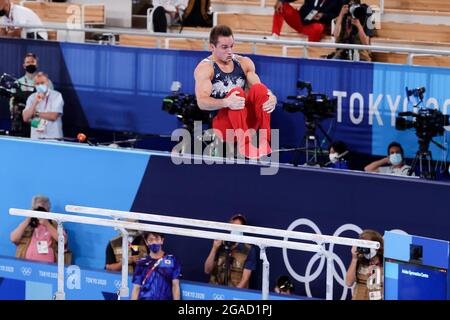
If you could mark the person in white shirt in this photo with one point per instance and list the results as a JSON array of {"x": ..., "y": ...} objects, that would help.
[
  {"x": 392, "y": 164},
  {"x": 166, "y": 13},
  {"x": 13, "y": 14},
  {"x": 44, "y": 109}
]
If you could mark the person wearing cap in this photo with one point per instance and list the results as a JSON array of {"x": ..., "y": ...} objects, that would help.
[
  {"x": 231, "y": 264},
  {"x": 284, "y": 285},
  {"x": 157, "y": 276},
  {"x": 37, "y": 239},
  {"x": 137, "y": 249}
]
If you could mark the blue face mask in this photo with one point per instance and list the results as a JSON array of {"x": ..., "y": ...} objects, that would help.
[
  {"x": 42, "y": 88},
  {"x": 154, "y": 247},
  {"x": 395, "y": 159}
]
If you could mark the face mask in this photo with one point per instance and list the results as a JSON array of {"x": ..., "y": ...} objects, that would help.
[
  {"x": 31, "y": 68},
  {"x": 395, "y": 159},
  {"x": 333, "y": 157},
  {"x": 2, "y": 13},
  {"x": 155, "y": 247},
  {"x": 42, "y": 88},
  {"x": 373, "y": 253}
]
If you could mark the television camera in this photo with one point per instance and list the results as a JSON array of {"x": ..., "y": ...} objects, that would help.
[
  {"x": 184, "y": 106},
  {"x": 428, "y": 123},
  {"x": 11, "y": 88},
  {"x": 315, "y": 108}
]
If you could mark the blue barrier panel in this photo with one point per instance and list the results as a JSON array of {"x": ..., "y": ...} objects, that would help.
[
  {"x": 27, "y": 280},
  {"x": 305, "y": 199},
  {"x": 121, "y": 89}
]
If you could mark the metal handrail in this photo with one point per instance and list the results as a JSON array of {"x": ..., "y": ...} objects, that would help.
[{"x": 205, "y": 37}]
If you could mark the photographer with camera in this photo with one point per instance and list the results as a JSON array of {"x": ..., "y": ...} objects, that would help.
[
  {"x": 366, "y": 269},
  {"x": 311, "y": 19},
  {"x": 44, "y": 109},
  {"x": 353, "y": 27},
  {"x": 220, "y": 81},
  {"x": 231, "y": 264},
  {"x": 14, "y": 14},
  {"x": 37, "y": 239},
  {"x": 392, "y": 164},
  {"x": 137, "y": 249}
]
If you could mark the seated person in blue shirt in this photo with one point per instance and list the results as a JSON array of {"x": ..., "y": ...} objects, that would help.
[
  {"x": 231, "y": 264},
  {"x": 156, "y": 277},
  {"x": 336, "y": 152}
]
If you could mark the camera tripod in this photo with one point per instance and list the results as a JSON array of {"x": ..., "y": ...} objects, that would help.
[
  {"x": 312, "y": 148},
  {"x": 423, "y": 158}
]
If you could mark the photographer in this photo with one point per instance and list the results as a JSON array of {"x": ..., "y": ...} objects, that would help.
[
  {"x": 24, "y": 87},
  {"x": 392, "y": 164},
  {"x": 44, "y": 109},
  {"x": 137, "y": 249},
  {"x": 311, "y": 19},
  {"x": 353, "y": 27},
  {"x": 37, "y": 239},
  {"x": 231, "y": 263},
  {"x": 366, "y": 269}
]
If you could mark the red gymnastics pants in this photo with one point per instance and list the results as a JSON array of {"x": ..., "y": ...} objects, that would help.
[
  {"x": 313, "y": 31},
  {"x": 251, "y": 117}
]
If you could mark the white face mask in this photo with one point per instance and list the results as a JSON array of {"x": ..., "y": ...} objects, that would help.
[
  {"x": 395, "y": 159},
  {"x": 334, "y": 157},
  {"x": 373, "y": 253}
]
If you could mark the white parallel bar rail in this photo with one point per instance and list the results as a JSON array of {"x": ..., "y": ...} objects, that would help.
[
  {"x": 318, "y": 238},
  {"x": 205, "y": 37},
  {"x": 260, "y": 242}
]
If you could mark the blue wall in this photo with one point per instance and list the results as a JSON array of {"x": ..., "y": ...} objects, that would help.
[
  {"x": 328, "y": 201},
  {"x": 121, "y": 88}
]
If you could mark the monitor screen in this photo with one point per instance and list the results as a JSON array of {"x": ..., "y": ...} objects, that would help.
[{"x": 408, "y": 281}]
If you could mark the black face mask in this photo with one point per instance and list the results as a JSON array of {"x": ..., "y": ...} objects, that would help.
[
  {"x": 31, "y": 68},
  {"x": 2, "y": 13}
]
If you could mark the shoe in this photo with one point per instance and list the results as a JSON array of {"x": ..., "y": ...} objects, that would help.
[{"x": 272, "y": 37}]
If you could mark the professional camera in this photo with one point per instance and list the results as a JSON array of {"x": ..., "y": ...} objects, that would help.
[
  {"x": 184, "y": 106},
  {"x": 315, "y": 108},
  {"x": 10, "y": 88},
  {"x": 427, "y": 122},
  {"x": 357, "y": 10},
  {"x": 314, "y": 105},
  {"x": 362, "y": 250},
  {"x": 8, "y": 85}
]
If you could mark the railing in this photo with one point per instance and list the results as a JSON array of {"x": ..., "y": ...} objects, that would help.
[
  {"x": 262, "y": 243},
  {"x": 287, "y": 43}
]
